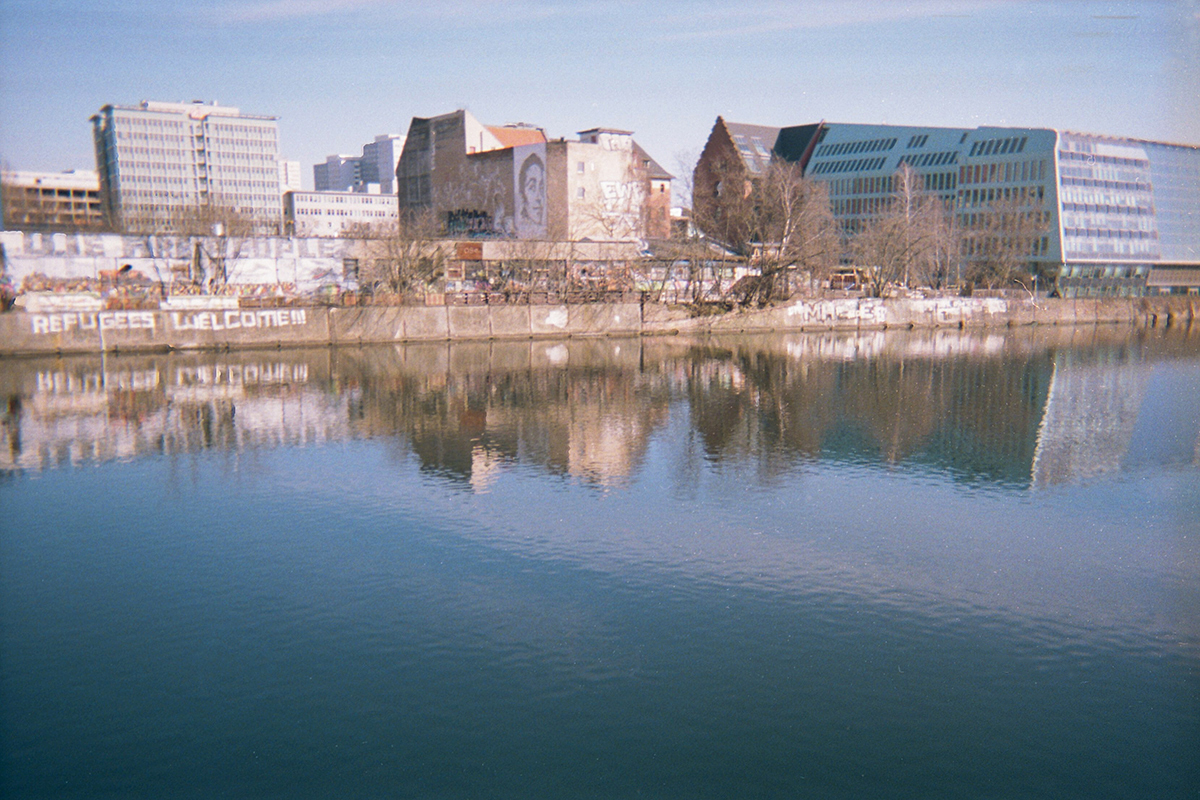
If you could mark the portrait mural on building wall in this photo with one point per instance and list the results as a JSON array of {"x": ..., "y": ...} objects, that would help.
[{"x": 529, "y": 190}]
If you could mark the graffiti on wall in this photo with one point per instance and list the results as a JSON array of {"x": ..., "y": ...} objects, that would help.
[
  {"x": 230, "y": 319},
  {"x": 529, "y": 181}
]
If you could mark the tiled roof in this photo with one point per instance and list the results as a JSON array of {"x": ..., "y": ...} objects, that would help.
[{"x": 515, "y": 137}]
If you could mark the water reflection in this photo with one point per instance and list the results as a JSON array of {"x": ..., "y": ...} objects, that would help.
[
  {"x": 768, "y": 566},
  {"x": 1025, "y": 407}
]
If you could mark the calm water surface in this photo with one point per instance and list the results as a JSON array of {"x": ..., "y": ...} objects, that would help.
[{"x": 875, "y": 565}]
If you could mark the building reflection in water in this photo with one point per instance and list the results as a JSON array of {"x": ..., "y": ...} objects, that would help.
[{"x": 1018, "y": 408}]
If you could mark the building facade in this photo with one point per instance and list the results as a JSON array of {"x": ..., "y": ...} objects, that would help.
[
  {"x": 51, "y": 201},
  {"x": 159, "y": 162},
  {"x": 289, "y": 176},
  {"x": 1120, "y": 216},
  {"x": 374, "y": 170},
  {"x": 326, "y": 214},
  {"x": 511, "y": 181}
]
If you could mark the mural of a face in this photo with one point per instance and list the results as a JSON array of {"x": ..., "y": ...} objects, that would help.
[{"x": 533, "y": 191}]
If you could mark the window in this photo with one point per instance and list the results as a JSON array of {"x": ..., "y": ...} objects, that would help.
[{"x": 580, "y": 167}]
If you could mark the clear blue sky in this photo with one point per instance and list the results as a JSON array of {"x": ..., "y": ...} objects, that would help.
[{"x": 337, "y": 72}]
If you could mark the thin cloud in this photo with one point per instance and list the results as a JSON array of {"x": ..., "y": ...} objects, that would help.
[
  {"x": 461, "y": 12},
  {"x": 757, "y": 19}
]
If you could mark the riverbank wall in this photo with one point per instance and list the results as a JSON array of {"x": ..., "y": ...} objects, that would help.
[{"x": 95, "y": 331}]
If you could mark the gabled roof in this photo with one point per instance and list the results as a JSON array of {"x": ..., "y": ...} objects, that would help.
[
  {"x": 515, "y": 137},
  {"x": 754, "y": 144},
  {"x": 654, "y": 170}
]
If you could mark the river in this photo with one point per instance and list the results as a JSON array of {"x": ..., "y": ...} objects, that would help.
[{"x": 887, "y": 564}]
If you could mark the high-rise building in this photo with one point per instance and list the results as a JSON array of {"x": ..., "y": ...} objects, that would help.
[
  {"x": 372, "y": 172},
  {"x": 338, "y": 174},
  {"x": 160, "y": 163},
  {"x": 1121, "y": 215}
]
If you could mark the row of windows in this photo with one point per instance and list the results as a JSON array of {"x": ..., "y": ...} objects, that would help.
[
  {"x": 856, "y": 165},
  {"x": 140, "y": 121},
  {"x": 356, "y": 199},
  {"x": 934, "y": 182},
  {"x": 1090, "y": 183},
  {"x": 848, "y": 148},
  {"x": 1089, "y": 158},
  {"x": 1024, "y": 194},
  {"x": 987, "y": 147},
  {"x": 1005, "y": 172},
  {"x": 343, "y": 212},
  {"x": 882, "y": 183},
  {"x": 976, "y": 246},
  {"x": 1090, "y": 248},
  {"x": 918, "y": 140},
  {"x": 983, "y": 220},
  {"x": 929, "y": 159},
  {"x": 1105, "y": 173},
  {"x": 860, "y": 205},
  {"x": 1105, "y": 271},
  {"x": 1107, "y": 233},
  {"x": 267, "y": 139},
  {"x": 1098, "y": 208},
  {"x": 145, "y": 200}
]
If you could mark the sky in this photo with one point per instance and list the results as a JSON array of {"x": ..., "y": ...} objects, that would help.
[{"x": 338, "y": 72}]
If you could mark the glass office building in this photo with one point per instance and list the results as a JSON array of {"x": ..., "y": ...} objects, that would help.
[{"x": 1121, "y": 216}]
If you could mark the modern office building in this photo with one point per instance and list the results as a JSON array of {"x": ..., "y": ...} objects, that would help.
[
  {"x": 511, "y": 181},
  {"x": 374, "y": 170},
  {"x": 158, "y": 161},
  {"x": 1122, "y": 215},
  {"x": 51, "y": 201},
  {"x": 334, "y": 213}
]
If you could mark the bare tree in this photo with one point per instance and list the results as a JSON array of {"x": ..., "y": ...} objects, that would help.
[
  {"x": 794, "y": 222},
  {"x": 909, "y": 240},
  {"x": 404, "y": 256},
  {"x": 1001, "y": 240},
  {"x": 780, "y": 220}
]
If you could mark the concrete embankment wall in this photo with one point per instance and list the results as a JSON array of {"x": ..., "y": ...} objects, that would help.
[{"x": 101, "y": 331}]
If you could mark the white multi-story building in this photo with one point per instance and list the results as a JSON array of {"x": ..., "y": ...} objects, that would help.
[
  {"x": 375, "y": 167},
  {"x": 333, "y": 213},
  {"x": 159, "y": 161},
  {"x": 289, "y": 176}
]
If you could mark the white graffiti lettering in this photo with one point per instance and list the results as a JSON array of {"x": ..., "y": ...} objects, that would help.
[
  {"x": 90, "y": 321},
  {"x": 234, "y": 319}
]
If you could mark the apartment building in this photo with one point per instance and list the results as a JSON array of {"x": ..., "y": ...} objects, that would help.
[{"x": 512, "y": 181}]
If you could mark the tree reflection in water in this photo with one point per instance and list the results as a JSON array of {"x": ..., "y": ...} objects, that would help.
[{"x": 1010, "y": 407}]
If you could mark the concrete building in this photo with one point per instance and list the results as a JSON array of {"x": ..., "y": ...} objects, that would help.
[
  {"x": 289, "y": 176},
  {"x": 157, "y": 161},
  {"x": 511, "y": 181},
  {"x": 1123, "y": 215},
  {"x": 333, "y": 213},
  {"x": 51, "y": 201},
  {"x": 376, "y": 167}
]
